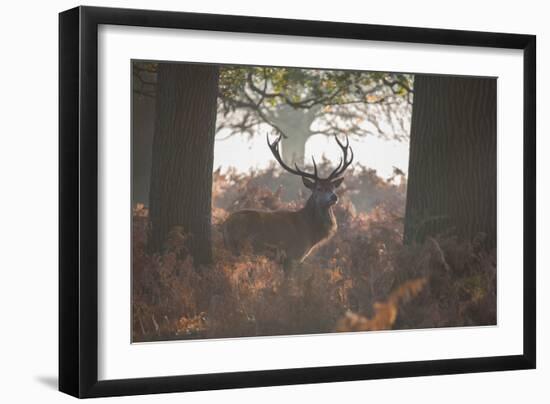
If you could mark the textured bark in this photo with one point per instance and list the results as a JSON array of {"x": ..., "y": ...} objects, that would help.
[
  {"x": 143, "y": 122},
  {"x": 183, "y": 152},
  {"x": 452, "y": 165}
]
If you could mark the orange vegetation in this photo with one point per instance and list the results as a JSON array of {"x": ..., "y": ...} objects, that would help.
[{"x": 363, "y": 279}]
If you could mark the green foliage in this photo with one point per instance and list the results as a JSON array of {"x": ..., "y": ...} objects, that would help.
[
  {"x": 304, "y": 88},
  {"x": 338, "y": 100}
]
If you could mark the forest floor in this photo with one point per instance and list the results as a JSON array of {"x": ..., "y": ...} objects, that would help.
[{"x": 363, "y": 279}]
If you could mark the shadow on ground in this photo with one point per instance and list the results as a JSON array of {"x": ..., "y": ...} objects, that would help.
[{"x": 48, "y": 381}]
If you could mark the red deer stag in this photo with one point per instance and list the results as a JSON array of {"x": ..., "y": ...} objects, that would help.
[{"x": 291, "y": 235}]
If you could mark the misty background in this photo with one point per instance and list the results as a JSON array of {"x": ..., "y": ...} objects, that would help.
[{"x": 378, "y": 136}]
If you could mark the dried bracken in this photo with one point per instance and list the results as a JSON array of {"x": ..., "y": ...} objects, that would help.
[
  {"x": 385, "y": 312},
  {"x": 363, "y": 279}
]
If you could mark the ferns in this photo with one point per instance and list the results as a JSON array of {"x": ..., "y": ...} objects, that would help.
[{"x": 362, "y": 279}]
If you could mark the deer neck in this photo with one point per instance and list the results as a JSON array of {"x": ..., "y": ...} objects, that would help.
[{"x": 320, "y": 220}]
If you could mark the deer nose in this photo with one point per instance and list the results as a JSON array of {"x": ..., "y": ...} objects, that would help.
[{"x": 333, "y": 198}]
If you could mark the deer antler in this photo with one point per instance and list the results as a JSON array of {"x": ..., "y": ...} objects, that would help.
[
  {"x": 274, "y": 147},
  {"x": 340, "y": 168},
  {"x": 344, "y": 162}
]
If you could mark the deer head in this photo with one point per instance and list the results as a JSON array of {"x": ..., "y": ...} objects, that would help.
[
  {"x": 323, "y": 189},
  {"x": 293, "y": 235}
]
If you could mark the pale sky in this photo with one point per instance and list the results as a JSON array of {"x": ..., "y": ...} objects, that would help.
[{"x": 373, "y": 152}]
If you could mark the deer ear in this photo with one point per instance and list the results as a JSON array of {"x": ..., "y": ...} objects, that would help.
[
  {"x": 308, "y": 182},
  {"x": 337, "y": 182}
]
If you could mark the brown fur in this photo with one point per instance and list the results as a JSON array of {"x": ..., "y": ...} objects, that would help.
[{"x": 290, "y": 235}]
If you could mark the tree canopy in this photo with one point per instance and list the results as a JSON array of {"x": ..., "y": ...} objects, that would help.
[
  {"x": 337, "y": 100},
  {"x": 299, "y": 103}
]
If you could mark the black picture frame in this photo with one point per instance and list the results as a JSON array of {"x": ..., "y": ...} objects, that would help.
[{"x": 78, "y": 201}]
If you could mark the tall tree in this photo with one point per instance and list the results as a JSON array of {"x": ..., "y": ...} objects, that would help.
[
  {"x": 182, "y": 156},
  {"x": 452, "y": 165},
  {"x": 300, "y": 103}
]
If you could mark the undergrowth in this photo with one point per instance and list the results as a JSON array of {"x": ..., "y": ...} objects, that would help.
[{"x": 363, "y": 279}]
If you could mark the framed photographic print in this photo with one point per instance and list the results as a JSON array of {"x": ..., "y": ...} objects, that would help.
[{"x": 251, "y": 201}]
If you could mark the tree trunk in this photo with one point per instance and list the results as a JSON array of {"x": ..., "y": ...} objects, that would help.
[
  {"x": 143, "y": 122},
  {"x": 452, "y": 165},
  {"x": 296, "y": 125},
  {"x": 183, "y": 153},
  {"x": 293, "y": 148}
]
